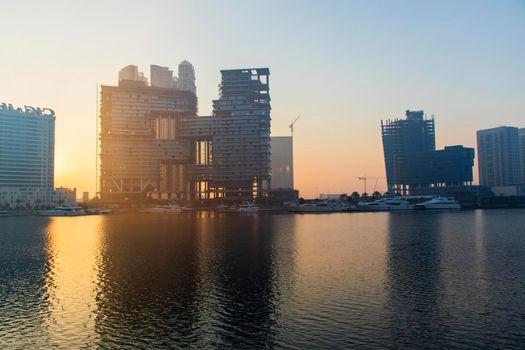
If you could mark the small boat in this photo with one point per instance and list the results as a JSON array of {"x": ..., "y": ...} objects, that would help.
[
  {"x": 248, "y": 207},
  {"x": 439, "y": 203},
  {"x": 386, "y": 204},
  {"x": 170, "y": 208},
  {"x": 63, "y": 211}
]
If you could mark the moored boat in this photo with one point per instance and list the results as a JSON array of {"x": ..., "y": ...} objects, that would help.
[
  {"x": 439, "y": 203},
  {"x": 63, "y": 211},
  {"x": 318, "y": 207},
  {"x": 223, "y": 208},
  {"x": 386, "y": 204},
  {"x": 170, "y": 208},
  {"x": 248, "y": 207}
]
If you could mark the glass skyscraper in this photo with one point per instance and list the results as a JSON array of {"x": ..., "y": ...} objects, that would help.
[{"x": 27, "y": 142}]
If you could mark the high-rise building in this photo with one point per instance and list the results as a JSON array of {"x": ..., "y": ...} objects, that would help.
[
  {"x": 232, "y": 147},
  {"x": 152, "y": 144},
  {"x": 131, "y": 73},
  {"x": 522, "y": 153},
  {"x": 499, "y": 156},
  {"x": 141, "y": 155},
  {"x": 413, "y": 165},
  {"x": 161, "y": 77},
  {"x": 401, "y": 138},
  {"x": 282, "y": 162},
  {"x": 186, "y": 79},
  {"x": 27, "y": 145}
]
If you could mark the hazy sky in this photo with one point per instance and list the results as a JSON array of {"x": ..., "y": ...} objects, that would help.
[{"x": 342, "y": 65}]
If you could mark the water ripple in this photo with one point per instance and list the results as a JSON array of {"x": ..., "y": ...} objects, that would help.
[{"x": 367, "y": 280}]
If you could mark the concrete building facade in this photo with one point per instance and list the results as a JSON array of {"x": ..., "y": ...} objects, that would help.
[
  {"x": 499, "y": 156},
  {"x": 282, "y": 162},
  {"x": 154, "y": 146},
  {"x": 141, "y": 155},
  {"x": 231, "y": 148}
]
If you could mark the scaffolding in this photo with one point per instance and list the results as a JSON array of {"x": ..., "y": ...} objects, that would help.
[
  {"x": 154, "y": 146},
  {"x": 232, "y": 152},
  {"x": 401, "y": 139}
]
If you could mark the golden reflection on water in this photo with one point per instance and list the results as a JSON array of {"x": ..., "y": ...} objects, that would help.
[
  {"x": 356, "y": 266},
  {"x": 232, "y": 281},
  {"x": 73, "y": 248}
]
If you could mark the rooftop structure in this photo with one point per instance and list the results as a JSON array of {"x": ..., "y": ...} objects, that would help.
[
  {"x": 186, "y": 79},
  {"x": 161, "y": 77},
  {"x": 131, "y": 73}
]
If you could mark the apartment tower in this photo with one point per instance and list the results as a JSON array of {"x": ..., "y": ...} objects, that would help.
[{"x": 499, "y": 156}]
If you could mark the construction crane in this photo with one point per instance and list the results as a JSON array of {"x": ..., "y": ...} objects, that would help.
[
  {"x": 291, "y": 125},
  {"x": 364, "y": 178}
]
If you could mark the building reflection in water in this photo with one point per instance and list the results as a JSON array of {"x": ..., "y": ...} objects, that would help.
[
  {"x": 444, "y": 269},
  {"x": 414, "y": 272},
  {"x": 25, "y": 296},
  {"x": 194, "y": 280},
  {"x": 394, "y": 280},
  {"x": 338, "y": 281}
]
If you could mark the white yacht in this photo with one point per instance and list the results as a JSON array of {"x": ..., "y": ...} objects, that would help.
[
  {"x": 439, "y": 203},
  {"x": 248, "y": 207},
  {"x": 318, "y": 207},
  {"x": 386, "y": 204},
  {"x": 224, "y": 208},
  {"x": 167, "y": 209},
  {"x": 63, "y": 211}
]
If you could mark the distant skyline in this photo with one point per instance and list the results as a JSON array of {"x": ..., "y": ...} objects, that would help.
[{"x": 342, "y": 65}]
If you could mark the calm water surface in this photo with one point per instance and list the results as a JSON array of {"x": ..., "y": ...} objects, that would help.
[{"x": 350, "y": 280}]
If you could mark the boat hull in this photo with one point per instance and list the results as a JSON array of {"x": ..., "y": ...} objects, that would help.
[
  {"x": 59, "y": 213},
  {"x": 439, "y": 207}
]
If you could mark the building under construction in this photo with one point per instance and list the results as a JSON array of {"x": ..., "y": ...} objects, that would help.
[
  {"x": 401, "y": 138},
  {"x": 154, "y": 146},
  {"x": 232, "y": 147},
  {"x": 141, "y": 155},
  {"x": 412, "y": 162}
]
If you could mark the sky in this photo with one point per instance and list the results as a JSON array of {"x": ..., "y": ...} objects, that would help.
[{"x": 342, "y": 65}]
